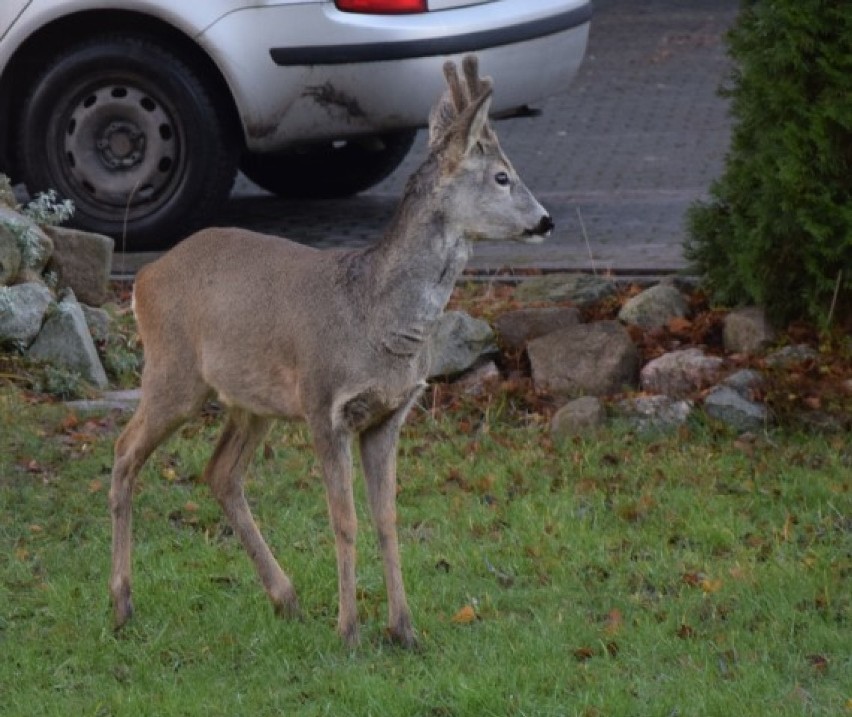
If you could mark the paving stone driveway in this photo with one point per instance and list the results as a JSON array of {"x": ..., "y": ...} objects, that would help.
[{"x": 617, "y": 158}]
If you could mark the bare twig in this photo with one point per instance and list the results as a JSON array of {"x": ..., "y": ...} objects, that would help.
[
  {"x": 586, "y": 239},
  {"x": 834, "y": 298}
]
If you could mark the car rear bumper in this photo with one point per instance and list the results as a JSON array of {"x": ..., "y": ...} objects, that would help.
[
  {"x": 316, "y": 73},
  {"x": 475, "y": 41}
]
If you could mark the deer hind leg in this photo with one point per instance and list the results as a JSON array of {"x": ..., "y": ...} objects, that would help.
[
  {"x": 335, "y": 454},
  {"x": 158, "y": 415},
  {"x": 378, "y": 456},
  {"x": 224, "y": 473}
]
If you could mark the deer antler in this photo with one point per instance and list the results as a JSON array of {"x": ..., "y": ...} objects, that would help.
[{"x": 458, "y": 97}]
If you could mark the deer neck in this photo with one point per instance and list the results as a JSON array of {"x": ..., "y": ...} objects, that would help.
[
  {"x": 419, "y": 260},
  {"x": 413, "y": 271}
]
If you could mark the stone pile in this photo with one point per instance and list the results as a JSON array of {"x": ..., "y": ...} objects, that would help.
[
  {"x": 53, "y": 282},
  {"x": 583, "y": 364}
]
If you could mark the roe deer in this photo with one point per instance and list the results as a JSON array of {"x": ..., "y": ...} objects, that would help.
[{"x": 336, "y": 337}]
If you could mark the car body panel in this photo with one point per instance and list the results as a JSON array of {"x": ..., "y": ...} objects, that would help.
[
  {"x": 281, "y": 104},
  {"x": 10, "y": 10}
]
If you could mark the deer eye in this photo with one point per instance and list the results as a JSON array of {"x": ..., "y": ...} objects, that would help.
[{"x": 501, "y": 178}]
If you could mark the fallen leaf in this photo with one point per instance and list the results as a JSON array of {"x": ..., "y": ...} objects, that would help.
[
  {"x": 443, "y": 566},
  {"x": 738, "y": 572},
  {"x": 710, "y": 586},
  {"x": 465, "y": 616},
  {"x": 614, "y": 621},
  {"x": 813, "y": 402},
  {"x": 95, "y": 486},
  {"x": 169, "y": 473},
  {"x": 693, "y": 579},
  {"x": 819, "y": 663},
  {"x": 70, "y": 422},
  {"x": 581, "y": 654},
  {"x": 685, "y": 632},
  {"x": 679, "y": 325}
]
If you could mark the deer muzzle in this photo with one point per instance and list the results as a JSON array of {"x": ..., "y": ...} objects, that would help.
[{"x": 540, "y": 232}]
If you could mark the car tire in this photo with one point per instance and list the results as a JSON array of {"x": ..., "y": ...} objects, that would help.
[
  {"x": 329, "y": 170},
  {"x": 131, "y": 134}
]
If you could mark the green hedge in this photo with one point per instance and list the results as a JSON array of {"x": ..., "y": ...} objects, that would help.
[{"x": 778, "y": 228}]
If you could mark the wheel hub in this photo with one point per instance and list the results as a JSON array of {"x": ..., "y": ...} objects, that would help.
[
  {"x": 121, "y": 145},
  {"x": 120, "y": 150}
]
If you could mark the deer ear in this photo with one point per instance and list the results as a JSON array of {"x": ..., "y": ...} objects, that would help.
[{"x": 474, "y": 120}]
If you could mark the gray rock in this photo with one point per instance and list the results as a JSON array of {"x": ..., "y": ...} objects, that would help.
[
  {"x": 790, "y": 355},
  {"x": 82, "y": 262},
  {"x": 125, "y": 401},
  {"x": 457, "y": 341},
  {"x": 747, "y": 331},
  {"x": 22, "y": 310},
  {"x": 515, "y": 328},
  {"x": 10, "y": 256},
  {"x": 654, "y": 307},
  {"x": 679, "y": 373},
  {"x": 580, "y": 289},
  {"x": 65, "y": 340},
  {"x": 744, "y": 381},
  {"x": 476, "y": 381},
  {"x": 35, "y": 246},
  {"x": 578, "y": 417},
  {"x": 660, "y": 413},
  {"x": 595, "y": 359},
  {"x": 725, "y": 404},
  {"x": 98, "y": 321}
]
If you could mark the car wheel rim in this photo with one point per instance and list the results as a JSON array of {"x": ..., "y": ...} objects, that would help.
[{"x": 119, "y": 150}]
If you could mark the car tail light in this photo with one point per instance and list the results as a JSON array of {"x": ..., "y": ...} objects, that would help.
[{"x": 385, "y": 7}]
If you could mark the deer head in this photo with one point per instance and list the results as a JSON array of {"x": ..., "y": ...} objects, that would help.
[{"x": 487, "y": 199}]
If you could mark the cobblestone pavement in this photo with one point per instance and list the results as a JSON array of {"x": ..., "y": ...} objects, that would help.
[{"x": 617, "y": 158}]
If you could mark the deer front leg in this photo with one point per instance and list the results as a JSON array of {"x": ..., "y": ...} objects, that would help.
[
  {"x": 378, "y": 456},
  {"x": 335, "y": 453},
  {"x": 224, "y": 473},
  {"x": 144, "y": 432}
]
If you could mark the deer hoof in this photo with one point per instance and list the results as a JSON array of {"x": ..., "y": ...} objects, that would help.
[
  {"x": 403, "y": 636},
  {"x": 122, "y": 612},
  {"x": 287, "y": 607},
  {"x": 350, "y": 635}
]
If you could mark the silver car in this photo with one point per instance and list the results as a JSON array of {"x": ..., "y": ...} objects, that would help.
[{"x": 141, "y": 111}]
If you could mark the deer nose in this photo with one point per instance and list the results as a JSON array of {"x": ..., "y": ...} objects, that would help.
[{"x": 545, "y": 225}]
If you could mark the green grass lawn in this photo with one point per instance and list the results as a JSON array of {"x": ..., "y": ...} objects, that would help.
[{"x": 692, "y": 574}]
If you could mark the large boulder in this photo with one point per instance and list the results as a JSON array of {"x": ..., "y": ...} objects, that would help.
[
  {"x": 22, "y": 310},
  {"x": 595, "y": 359},
  {"x": 679, "y": 373},
  {"x": 745, "y": 382},
  {"x": 727, "y": 405},
  {"x": 457, "y": 342},
  {"x": 654, "y": 307},
  {"x": 654, "y": 413},
  {"x": 516, "y": 328},
  {"x": 578, "y": 417},
  {"x": 65, "y": 341},
  {"x": 791, "y": 355},
  {"x": 579, "y": 289},
  {"x": 82, "y": 262},
  {"x": 747, "y": 331}
]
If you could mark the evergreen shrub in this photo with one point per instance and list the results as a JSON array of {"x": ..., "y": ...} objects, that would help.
[{"x": 777, "y": 230}]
